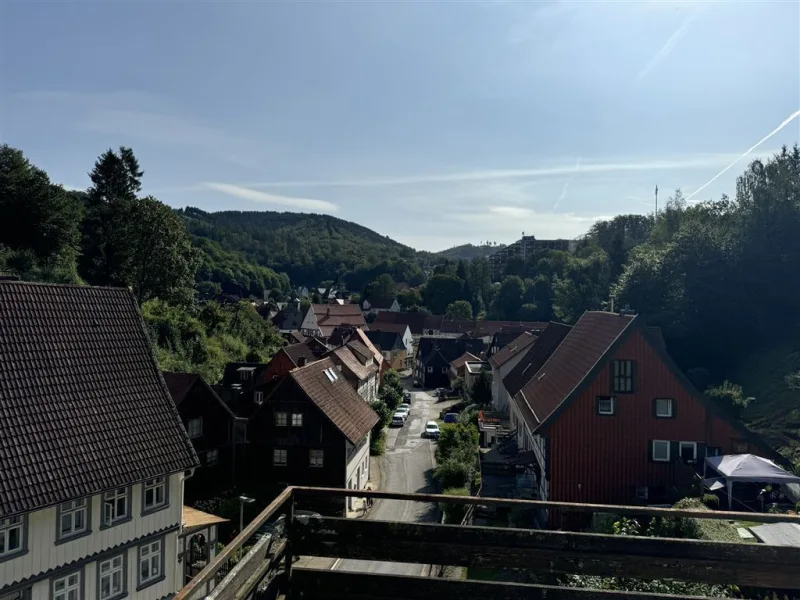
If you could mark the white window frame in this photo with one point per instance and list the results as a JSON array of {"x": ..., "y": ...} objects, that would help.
[
  {"x": 114, "y": 569},
  {"x": 612, "y": 400},
  {"x": 297, "y": 419},
  {"x": 72, "y": 588},
  {"x": 212, "y": 457},
  {"x": 111, "y": 500},
  {"x": 671, "y": 408},
  {"x": 195, "y": 427},
  {"x": 258, "y": 397},
  {"x": 430, "y": 369},
  {"x": 316, "y": 458},
  {"x": 667, "y": 459},
  {"x": 281, "y": 419},
  {"x": 692, "y": 445},
  {"x": 7, "y": 526},
  {"x": 71, "y": 510},
  {"x": 153, "y": 486},
  {"x": 280, "y": 457},
  {"x": 151, "y": 561}
]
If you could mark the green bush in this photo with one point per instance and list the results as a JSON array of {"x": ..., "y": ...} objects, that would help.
[
  {"x": 454, "y": 513},
  {"x": 377, "y": 444},
  {"x": 455, "y": 473},
  {"x": 711, "y": 501}
]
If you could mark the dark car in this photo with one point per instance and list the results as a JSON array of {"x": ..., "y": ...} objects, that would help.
[{"x": 451, "y": 418}]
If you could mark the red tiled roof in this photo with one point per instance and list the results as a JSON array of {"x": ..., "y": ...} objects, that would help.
[
  {"x": 535, "y": 356},
  {"x": 512, "y": 350},
  {"x": 336, "y": 399},
  {"x": 83, "y": 405},
  {"x": 586, "y": 344},
  {"x": 311, "y": 349},
  {"x": 350, "y": 357},
  {"x": 463, "y": 359},
  {"x": 418, "y": 323},
  {"x": 179, "y": 384},
  {"x": 389, "y": 327}
]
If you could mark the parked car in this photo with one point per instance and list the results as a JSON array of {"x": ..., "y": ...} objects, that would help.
[
  {"x": 451, "y": 418},
  {"x": 399, "y": 419},
  {"x": 432, "y": 430},
  {"x": 404, "y": 410},
  {"x": 407, "y": 396},
  {"x": 417, "y": 384}
]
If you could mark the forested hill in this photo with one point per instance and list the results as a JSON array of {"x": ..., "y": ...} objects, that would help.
[
  {"x": 468, "y": 251},
  {"x": 309, "y": 248}
]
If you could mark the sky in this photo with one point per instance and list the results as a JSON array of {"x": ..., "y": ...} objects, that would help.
[{"x": 435, "y": 123}]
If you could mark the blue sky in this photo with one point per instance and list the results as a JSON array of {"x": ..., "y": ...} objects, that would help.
[{"x": 436, "y": 123}]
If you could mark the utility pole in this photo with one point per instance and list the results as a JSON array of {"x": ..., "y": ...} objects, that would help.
[{"x": 656, "y": 215}]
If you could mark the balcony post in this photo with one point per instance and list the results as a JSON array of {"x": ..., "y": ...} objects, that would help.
[{"x": 289, "y": 555}]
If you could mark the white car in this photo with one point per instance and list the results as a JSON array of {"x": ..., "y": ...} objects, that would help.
[
  {"x": 398, "y": 420},
  {"x": 403, "y": 410},
  {"x": 432, "y": 430}
]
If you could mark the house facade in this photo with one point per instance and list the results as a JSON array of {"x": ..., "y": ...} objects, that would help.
[
  {"x": 217, "y": 435},
  {"x": 391, "y": 346},
  {"x": 435, "y": 355},
  {"x": 401, "y": 329},
  {"x": 358, "y": 366},
  {"x": 93, "y": 454},
  {"x": 313, "y": 429},
  {"x": 502, "y": 362},
  {"x": 373, "y": 306},
  {"x": 611, "y": 419},
  {"x": 322, "y": 319}
]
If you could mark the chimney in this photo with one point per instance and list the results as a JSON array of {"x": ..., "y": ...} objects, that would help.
[{"x": 301, "y": 362}]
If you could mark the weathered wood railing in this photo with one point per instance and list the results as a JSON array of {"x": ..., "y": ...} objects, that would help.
[{"x": 535, "y": 551}]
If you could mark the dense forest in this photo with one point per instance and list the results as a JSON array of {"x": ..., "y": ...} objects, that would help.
[
  {"x": 111, "y": 236},
  {"x": 468, "y": 251}
]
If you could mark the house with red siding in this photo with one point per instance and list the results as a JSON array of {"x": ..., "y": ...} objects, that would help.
[{"x": 609, "y": 418}]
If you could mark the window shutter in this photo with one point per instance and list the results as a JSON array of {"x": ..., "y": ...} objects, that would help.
[
  {"x": 701, "y": 452},
  {"x": 674, "y": 451}
]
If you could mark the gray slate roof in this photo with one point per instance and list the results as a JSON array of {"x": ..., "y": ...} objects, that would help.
[{"x": 83, "y": 406}]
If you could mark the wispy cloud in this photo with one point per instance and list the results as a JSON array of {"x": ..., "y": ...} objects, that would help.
[
  {"x": 506, "y": 222},
  {"x": 701, "y": 161},
  {"x": 780, "y": 127},
  {"x": 299, "y": 204},
  {"x": 566, "y": 185},
  {"x": 670, "y": 44}
]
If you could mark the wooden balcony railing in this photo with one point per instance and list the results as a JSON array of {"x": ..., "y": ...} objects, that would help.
[{"x": 535, "y": 551}]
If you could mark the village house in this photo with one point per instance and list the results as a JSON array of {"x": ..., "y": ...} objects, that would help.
[
  {"x": 312, "y": 429},
  {"x": 322, "y": 319},
  {"x": 472, "y": 370},
  {"x": 435, "y": 355},
  {"x": 216, "y": 433},
  {"x": 609, "y": 418},
  {"x": 290, "y": 318},
  {"x": 502, "y": 363},
  {"x": 93, "y": 455},
  {"x": 358, "y": 365},
  {"x": 373, "y": 306},
  {"x": 458, "y": 367},
  {"x": 391, "y": 346},
  {"x": 401, "y": 329},
  {"x": 292, "y": 356}
]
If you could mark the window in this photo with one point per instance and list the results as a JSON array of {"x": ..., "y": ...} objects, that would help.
[
  {"x": 155, "y": 494},
  {"x": 430, "y": 369},
  {"x": 111, "y": 574},
  {"x": 663, "y": 408},
  {"x": 195, "y": 427},
  {"x": 622, "y": 372},
  {"x": 150, "y": 561},
  {"x": 642, "y": 492},
  {"x": 660, "y": 451},
  {"x": 297, "y": 419},
  {"x": 688, "y": 451},
  {"x": 240, "y": 432},
  {"x": 444, "y": 369},
  {"x": 315, "y": 459},
  {"x": 23, "y": 594},
  {"x": 12, "y": 536},
  {"x": 281, "y": 419},
  {"x": 67, "y": 587},
  {"x": 72, "y": 519},
  {"x": 258, "y": 397},
  {"x": 606, "y": 405},
  {"x": 279, "y": 457},
  {"x": 212, "y": 458},
  {"x": 331, "y": 374},
  {"x": 115, "y": 506}
]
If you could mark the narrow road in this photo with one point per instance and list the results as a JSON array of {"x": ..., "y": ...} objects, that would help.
[{"x": 407, "y": 467}]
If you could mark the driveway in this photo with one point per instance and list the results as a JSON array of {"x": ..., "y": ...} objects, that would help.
[{"x": 407, "y": 467}]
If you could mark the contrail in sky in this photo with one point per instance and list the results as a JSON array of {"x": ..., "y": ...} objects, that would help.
[
  {"x": 566, "y": 185},
  {"x": 786, "y": 121}
]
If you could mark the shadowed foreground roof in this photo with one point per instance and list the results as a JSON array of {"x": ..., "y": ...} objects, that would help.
[{"x": 83, "y": 406}]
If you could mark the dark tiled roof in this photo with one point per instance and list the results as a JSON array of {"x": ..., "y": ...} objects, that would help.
[
  {"x": 381, "y": 302},
  {"x": 310, "y": 350},
  {"x": 386, "y": 340},
  {"x": 513, "y": 349},
  {"x": 464, "y": 359},
  {"x": 449, "y": 348},
  {"x": 489, "y": 328},
  {"x": 180, "y": 384},
  {"x": 83, "y": 406},
  {"x": 583, "y": 347},
  {"x": 231, "y": 375},
  {"x": 336, "y": 399},
  {"x": 418, "y": 323},
  {"x": 289, "y": 318},
  {"x": 390, "y": 327},
  {"x": 296, "y": 337},
  {"x": 535, "y": 357}
]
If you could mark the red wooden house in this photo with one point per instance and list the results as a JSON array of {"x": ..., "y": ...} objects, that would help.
[{"x": 611, "y": 419}]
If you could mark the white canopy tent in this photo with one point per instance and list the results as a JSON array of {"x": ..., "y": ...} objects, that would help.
[{"x": 748, "y": 467}]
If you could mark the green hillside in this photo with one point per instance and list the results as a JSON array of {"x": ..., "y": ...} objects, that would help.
[
  {"x": 468, "y": 251},
  {"x": 309, "y": 248}
]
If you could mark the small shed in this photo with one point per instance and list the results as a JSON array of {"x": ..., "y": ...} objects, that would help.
[
  {"x": 749, "y": 468},
  {"x": 197, "y": 544}
]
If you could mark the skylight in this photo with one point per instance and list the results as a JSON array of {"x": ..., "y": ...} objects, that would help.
[{"x": 331, "y": 374}]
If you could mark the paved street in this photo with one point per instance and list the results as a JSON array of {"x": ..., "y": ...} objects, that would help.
[{"x": 407, "y": 467}]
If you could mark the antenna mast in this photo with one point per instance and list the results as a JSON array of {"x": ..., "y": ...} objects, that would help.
[{"x": 656, "y": 201}]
